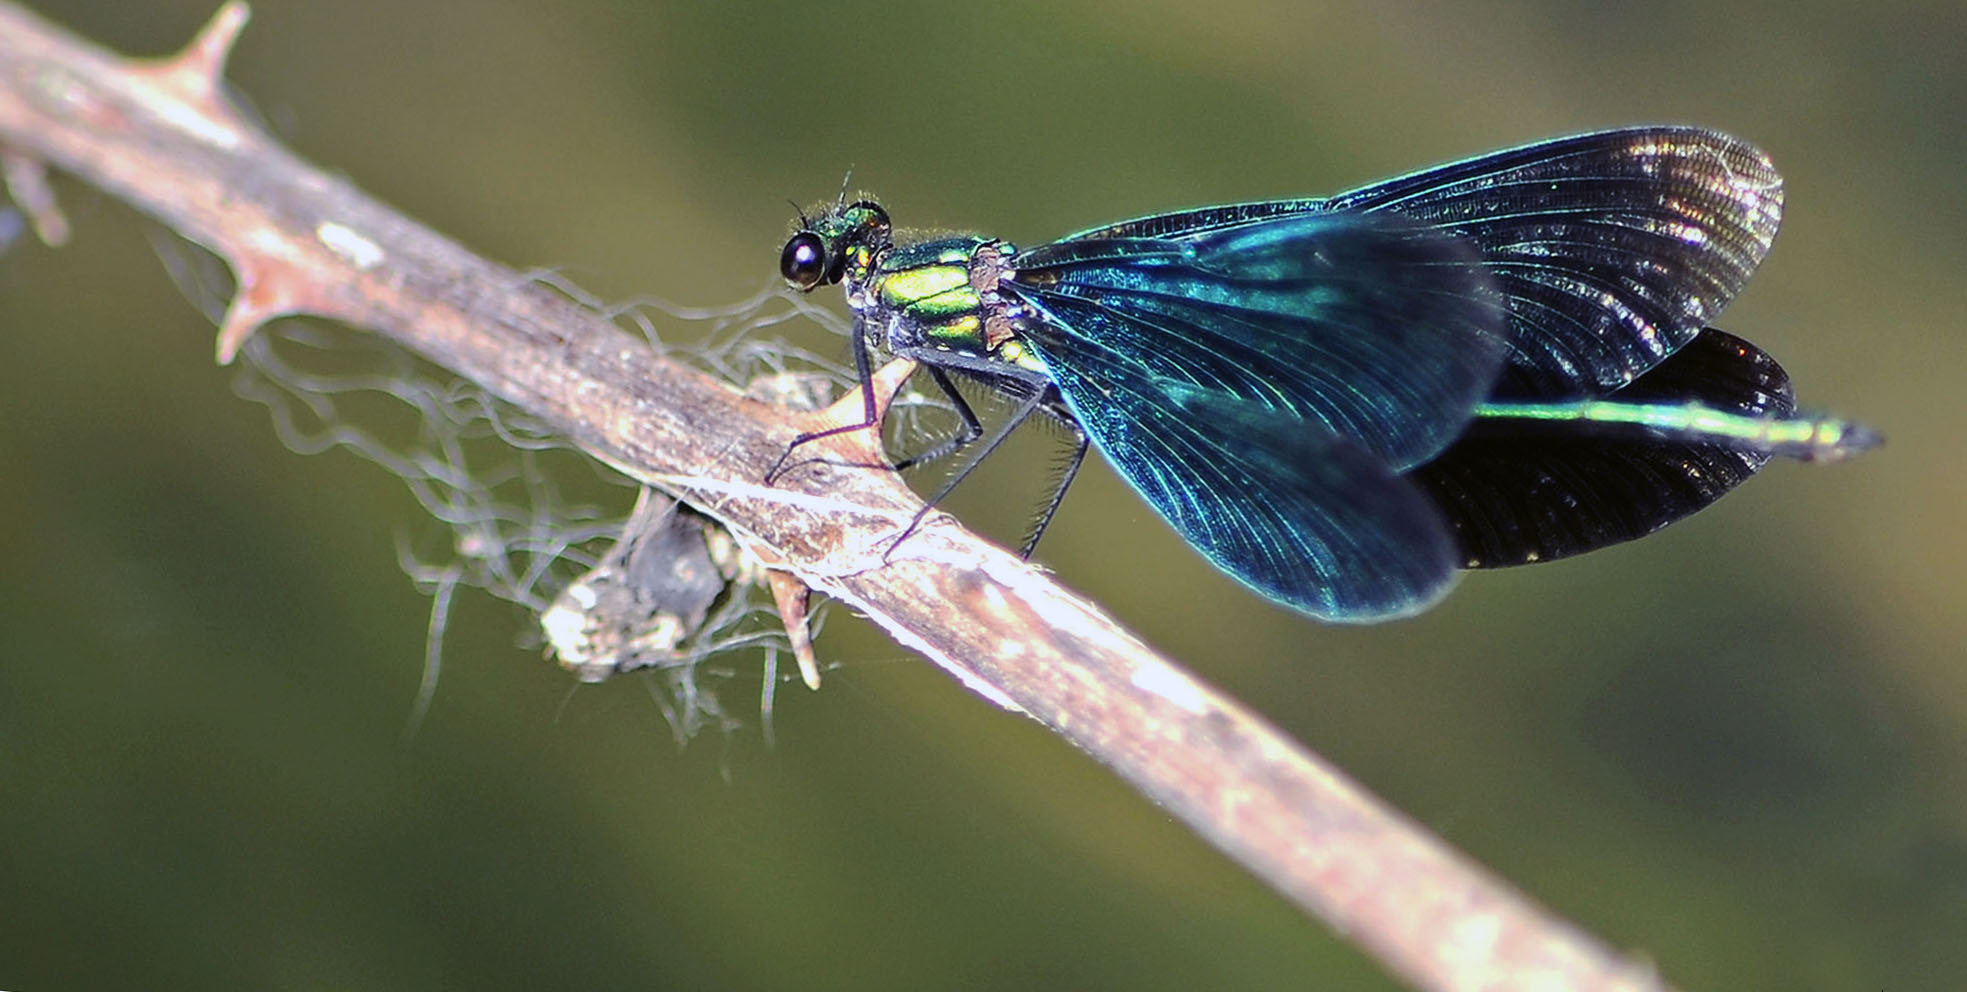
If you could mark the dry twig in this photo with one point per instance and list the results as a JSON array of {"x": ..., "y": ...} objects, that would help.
[{"x": 160, "y": 135}]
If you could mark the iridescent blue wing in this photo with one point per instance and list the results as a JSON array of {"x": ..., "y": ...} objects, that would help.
[
  {"x": 1261, "y": 386},
  {"x": 1613, "y": 248},
  {"x": 1543, "y": 494},
  {"x": 1368, "y": 327},
  {"x": 1288, "y": 509}
]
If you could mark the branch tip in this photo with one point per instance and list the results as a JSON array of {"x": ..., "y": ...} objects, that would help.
[{"x": 791, "y": 595}]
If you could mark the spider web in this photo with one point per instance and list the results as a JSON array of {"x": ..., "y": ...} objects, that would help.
[{"x": 619, "y": 579}]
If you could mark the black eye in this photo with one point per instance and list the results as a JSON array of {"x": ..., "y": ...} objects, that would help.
[{"x": 804, "y": 262}]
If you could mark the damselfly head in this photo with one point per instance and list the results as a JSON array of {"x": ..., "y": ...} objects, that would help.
[{"x": 825, "y": 248}]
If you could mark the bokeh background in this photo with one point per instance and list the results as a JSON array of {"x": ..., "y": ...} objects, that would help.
[{"x": 1738, "y": 748}]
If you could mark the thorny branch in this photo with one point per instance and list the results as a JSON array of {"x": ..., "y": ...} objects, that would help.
[{"x": 160, "y": 134}]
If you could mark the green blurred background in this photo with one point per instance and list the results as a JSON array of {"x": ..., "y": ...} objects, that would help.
[{"x": 1738, "y": 748}]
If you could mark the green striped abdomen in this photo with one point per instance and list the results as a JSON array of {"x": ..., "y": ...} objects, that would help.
[{"x": 1804, "y": 437}]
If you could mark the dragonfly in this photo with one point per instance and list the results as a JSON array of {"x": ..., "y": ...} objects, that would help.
[{"x": 1342, "y": 401}]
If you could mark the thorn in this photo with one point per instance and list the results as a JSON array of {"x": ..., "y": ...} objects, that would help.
[
  {"x": 196, "y": 75},
  {"x": 792, "y": 596},
  {"x": 27, "y": 183},
  {"x": 198, "y": 70},
  {"x": 213, "y": 44},
  {"x": 787, "y": 590},
  {"x": 265, "y": 292},
  {"x": 862, "y": 447}
]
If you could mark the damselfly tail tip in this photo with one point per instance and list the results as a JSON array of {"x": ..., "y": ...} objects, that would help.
[{"x": 1835, "y": 439}]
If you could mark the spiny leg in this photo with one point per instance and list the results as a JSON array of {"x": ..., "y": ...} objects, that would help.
[
  {"x": 1065, "y": 477},
  {"x": 1024, "y": 411},
  {"x": 971, "y": 430}
]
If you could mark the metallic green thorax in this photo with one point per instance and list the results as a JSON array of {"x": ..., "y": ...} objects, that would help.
[
  {"x": 941, "y": 296},
  {"x": 929, "y": 285},
  {"x": 935, "y": 300}
]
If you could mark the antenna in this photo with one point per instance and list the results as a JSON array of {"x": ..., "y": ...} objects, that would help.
[{"x": 841, "y": 204}]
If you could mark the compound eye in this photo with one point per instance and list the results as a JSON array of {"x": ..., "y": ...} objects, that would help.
[
  {"x": 872, "y": 216},
  {"x": 804, "y": 262}
]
